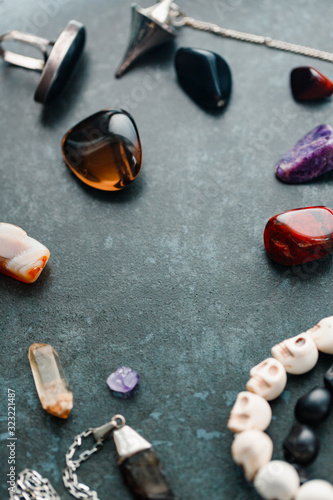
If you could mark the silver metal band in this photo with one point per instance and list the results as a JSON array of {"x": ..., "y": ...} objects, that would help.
[{"x": 21, "y": 60}]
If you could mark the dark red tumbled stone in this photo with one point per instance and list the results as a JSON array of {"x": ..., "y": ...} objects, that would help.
[
  {"x": 299, "y": 236},
  {"x": 307, "y": 84}
]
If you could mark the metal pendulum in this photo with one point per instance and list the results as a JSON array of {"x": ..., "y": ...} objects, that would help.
[{"x": 158, "y": 24}]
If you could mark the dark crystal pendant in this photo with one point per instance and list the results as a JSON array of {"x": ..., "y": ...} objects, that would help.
[
  {"x": 309, "y": 84},
  {"x": 104, "y": 150},
  {"x": 205, "y": 77},
  {"x": 144, "y": 477},
  {"x": 140, "y": 466},
  {"x": 301, "y": 445}
]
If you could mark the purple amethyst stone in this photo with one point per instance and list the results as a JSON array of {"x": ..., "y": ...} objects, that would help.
[
  {"x": 311, "y": 157},
  {"x": 123, "y": 380}
]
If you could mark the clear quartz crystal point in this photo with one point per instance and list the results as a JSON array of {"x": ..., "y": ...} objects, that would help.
[{"x": 51, "y": 384}]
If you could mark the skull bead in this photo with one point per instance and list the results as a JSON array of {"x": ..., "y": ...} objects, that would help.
[
  {"x": 268, "y": 379},
  {"x": 249, "y": 412},
  {"x": 317, "y": 488},
  {"x": 277, "y": 480},
  {"x": 298, "y": 354},
  {"x": 251, "y": 450},
  {"x": 322, "y": 334}
]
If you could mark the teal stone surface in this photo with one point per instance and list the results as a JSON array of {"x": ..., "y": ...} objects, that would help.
[{"x": 169, "y": 277}]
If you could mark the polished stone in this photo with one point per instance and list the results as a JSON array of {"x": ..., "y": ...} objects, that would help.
[
  {"x": 299, "y": 236},
  {"x": 144, "y": 476},
  {"x": 51, "y": 384},
  {"x": 309, "y": 84},
  {"x": 301, "y": 445},
  {"x": 123, "y": 380},
  {"x": 205, "y": 76},
  {"x": 311, "y": 157},
  {"x": 314, "y": 407},
  {"x": 21, "y": 257},
  {"x": 104, "y": 150}
]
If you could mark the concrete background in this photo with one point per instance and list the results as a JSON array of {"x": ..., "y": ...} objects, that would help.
[{"x": 169, "y": 277}]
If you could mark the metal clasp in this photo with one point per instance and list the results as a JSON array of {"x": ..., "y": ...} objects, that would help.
[
  {"x": 102, "y": 432},
  {"x": 177, "y": 16}
]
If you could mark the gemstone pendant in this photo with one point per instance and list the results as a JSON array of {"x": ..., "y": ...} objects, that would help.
[
  {"x": 309, "y": 84},
  {"x": 311, "y": 157},
  {"x": 104, "y": 150},
  {"x": 299, "y": 236},
  {"x": 205, "y": 77},
  {"x": 140, "y": 466}
]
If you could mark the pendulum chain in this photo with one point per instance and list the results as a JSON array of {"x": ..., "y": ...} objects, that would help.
[
  {"x": 181, "y": 19},
  {"x": 32, "y": 486}
]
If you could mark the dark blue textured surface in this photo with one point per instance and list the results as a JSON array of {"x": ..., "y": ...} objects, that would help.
[{"x": 169, "y": 277}]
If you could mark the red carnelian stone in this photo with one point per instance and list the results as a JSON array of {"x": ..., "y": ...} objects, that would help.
[
  {"x": 299, "y": 236},
  {"x": 307, "y": 83}
]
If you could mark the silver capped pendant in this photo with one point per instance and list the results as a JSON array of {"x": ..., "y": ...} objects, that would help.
[{"x": 150, "y": 27}]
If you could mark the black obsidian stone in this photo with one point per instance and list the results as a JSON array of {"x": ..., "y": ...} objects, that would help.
[
  {"x": 144, "y": 476},
  {"x": 301, "y": 445},
  {"x": 205, "y": 77},
  {"x": 314, "y": 407},
  {"x": 328, "y": 379}
]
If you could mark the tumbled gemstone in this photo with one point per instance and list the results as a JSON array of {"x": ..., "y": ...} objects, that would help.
[
  {"x": 328, "y": 379},
  {"x": 21, "y": 257},
  {"x": 104, "y": 150},
  {"x": 299, "y": 236},
  {"x": 50, "y": 380},
  {"x": 144, "y": 476},
  {"x": 314, "y": 407},
  {"x": 123, "y": 380},
  {"x": 308, "y": 83},
  {"x": 301, "y": 445},
  {"x": 311, "y": 157},
  {"x": 205, "y": 77}
]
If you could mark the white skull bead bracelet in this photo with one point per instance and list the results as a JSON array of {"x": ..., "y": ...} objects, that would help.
[{"x": 251, "y": 414}]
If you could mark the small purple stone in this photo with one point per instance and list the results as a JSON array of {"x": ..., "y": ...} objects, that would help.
[
  {"x": 123, "y": 380},
  {"x": 311, "y": 157}
]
